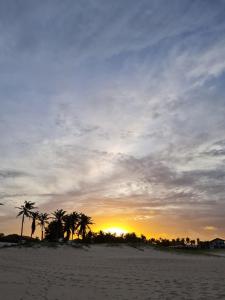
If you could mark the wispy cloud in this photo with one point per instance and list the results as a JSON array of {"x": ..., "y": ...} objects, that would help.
[{"x": 115, "y": 106}]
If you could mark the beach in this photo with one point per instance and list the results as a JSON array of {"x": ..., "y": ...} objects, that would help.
[{"x": 108, "y": 272}]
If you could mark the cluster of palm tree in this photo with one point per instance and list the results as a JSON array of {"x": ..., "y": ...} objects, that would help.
[
  {"x": 62, "y": 225},
  {"x": 26, "y": 210},
  {"x": 108, "y": 237},
  {"x": 174, "y": 242},
  {"x": 65, "y": 226}
]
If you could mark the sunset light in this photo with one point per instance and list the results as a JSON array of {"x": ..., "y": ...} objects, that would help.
[
  {"x": 125, "y": 106},
  {"x": 112, "y": 123},
  {"x": 115, "y": 230}
]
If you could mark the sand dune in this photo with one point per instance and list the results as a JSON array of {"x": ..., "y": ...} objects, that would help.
[{"x": 102, "y": 272}]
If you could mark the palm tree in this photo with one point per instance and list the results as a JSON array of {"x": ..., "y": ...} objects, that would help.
[
  {"x": 70, "y": 224},
  {"x": 74, "y": 222},
  {"x": 58, "y": 217},
  {"x": 25, "y": 211},
  {"x": 83, "y": 225},
  {"x": 43, "y": 220},
  {"x": 67, "y": 226},
  {"x": 34, "y": 216}
]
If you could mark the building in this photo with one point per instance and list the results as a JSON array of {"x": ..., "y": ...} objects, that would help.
[{"x": 217, "y": 243}]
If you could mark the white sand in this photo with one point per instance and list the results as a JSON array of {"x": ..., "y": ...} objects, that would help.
[{"x": 103, "y": 272}]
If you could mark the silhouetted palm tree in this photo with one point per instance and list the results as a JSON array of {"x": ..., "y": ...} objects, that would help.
[
  {"x": 25, "y": 211},
  {"x": 58, "y": 217},
  {"x": 43, "y": 220},
  {"x": 74, "y": 222},
  {"x": 34, "y": 216},
  {"x": 83, "y": 225},
  {"x": 70, "y": 224},
  {"x": 67, "y": 226}
]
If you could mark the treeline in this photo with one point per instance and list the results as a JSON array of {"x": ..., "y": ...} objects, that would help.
[
  {"x": 61, "y": 226},
  {"x": 57, "y": 231},
  {"x": 133, "y": 238}
]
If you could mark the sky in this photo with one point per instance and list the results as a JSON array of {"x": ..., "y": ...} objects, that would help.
[{"x": 115, "y": 109}]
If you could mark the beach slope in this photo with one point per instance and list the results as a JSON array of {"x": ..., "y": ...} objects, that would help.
[{"x": 105, "y": 272}]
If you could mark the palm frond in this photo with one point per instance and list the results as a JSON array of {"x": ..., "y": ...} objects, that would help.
[{"x": 20, "y": 213}]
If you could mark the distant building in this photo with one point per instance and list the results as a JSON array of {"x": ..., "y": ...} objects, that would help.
[{"x": 217, "y": 243}]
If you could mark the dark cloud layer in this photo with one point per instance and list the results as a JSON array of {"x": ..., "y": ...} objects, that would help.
[{"x": 4, "y": 174}]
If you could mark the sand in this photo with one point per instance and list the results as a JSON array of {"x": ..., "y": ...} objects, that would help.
[{"x": 103, "y": 272}]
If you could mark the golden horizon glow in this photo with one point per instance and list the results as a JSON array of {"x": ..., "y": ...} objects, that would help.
[{"x": 115, "y": 230}]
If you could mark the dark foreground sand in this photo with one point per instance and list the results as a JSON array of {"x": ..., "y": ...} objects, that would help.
[{"x": 102, "y": 272}]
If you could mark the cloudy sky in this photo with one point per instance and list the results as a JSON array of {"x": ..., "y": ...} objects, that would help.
[{"x": 116, "y": 109}]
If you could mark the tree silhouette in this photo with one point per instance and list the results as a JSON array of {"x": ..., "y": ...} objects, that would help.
[
  {"x": 143, "y": 238},
  {"x": 74, "y": 222},
  {"x": 130, "y": 237},
  {"x": 71, "y": 223},
  {"x": 67, "y": 226},
  {"x": 58, "y": 218},
  {"x": 192, "y": 242},
  {"x": 34, "y": 216},
  {"x": 43, "y": 220},
  {"x": 83, "y": 225},
  {"x": 187, "y": 240},
  {"x": 25, "y": 211},
  {"x": 52, "y": 233}
]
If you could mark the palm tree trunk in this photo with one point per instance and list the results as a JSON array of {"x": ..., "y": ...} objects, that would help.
[
  {"x": 33, "y": 227},
  {"x": 31, "y": 231},
  {"x": 22, "y": 226},
  {"x": 42, "y": 233}
]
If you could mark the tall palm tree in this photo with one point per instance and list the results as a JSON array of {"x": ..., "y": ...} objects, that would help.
[
  {"x": 58, "y": 217},
  {"x": 67, "y": 226},
  {"x": 83, "y": 225},
  {"x": 74, "y": 222},
  {"x": 70, "y": 224},
  {"x": 43, "y": 220},
  {"x": 25, "y": 211},
  {"x": 34, "y": 216}
]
